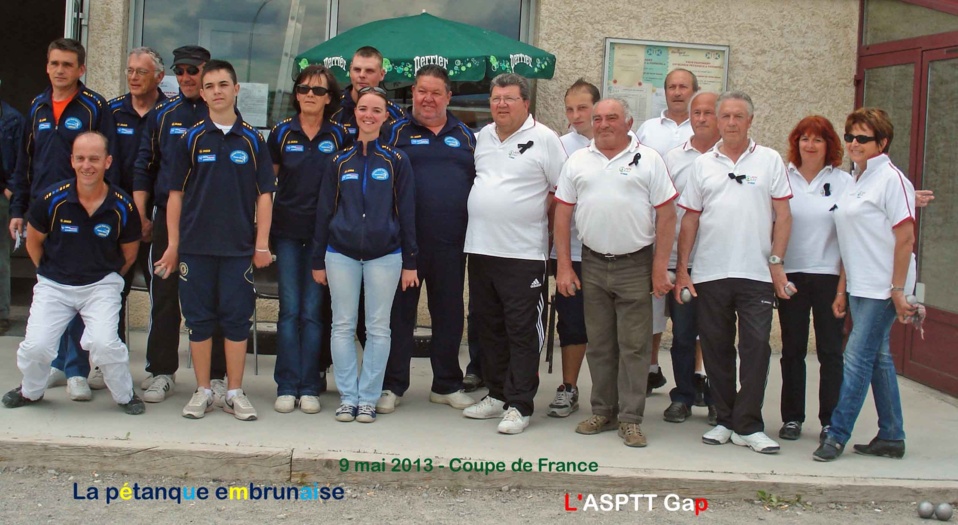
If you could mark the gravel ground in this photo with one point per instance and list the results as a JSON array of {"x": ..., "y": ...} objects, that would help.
[{"x": 36, "y": 496}]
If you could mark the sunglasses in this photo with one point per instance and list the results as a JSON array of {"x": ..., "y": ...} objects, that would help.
[
  {"x": 862, "y": 139},
  {"x": 189, "y": 70},
  {"x": 373, "y": 89},
  {"x": 319, "y": 91}
]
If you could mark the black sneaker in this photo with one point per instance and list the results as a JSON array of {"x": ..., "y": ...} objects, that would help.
[
  {"x": 823, "y": 434},
  {"x": 791, "y": 431},
  {"x": 135, "y": 406},
  {"x": 14, "y": 399},
  {"x": 677, "y": 412},
  {"x": 713, "y": 416},
  {"x": 472, "y": 382},
  {"x": 829, "y": 450},
  {"x": 656, "y": 380},
  {"x": 882, "y": 447},
  {"x": 4, "y": 326},
  {"x": 701, "y": 385}
]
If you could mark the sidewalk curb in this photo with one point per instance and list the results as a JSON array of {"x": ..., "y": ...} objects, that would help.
[{"x": 281, "y": 465}]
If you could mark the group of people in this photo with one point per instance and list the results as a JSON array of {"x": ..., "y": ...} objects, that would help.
[{"x": 362, "y": 201}]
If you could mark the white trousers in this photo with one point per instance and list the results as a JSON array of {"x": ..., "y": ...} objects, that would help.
[{"x": 54, "y": 306}]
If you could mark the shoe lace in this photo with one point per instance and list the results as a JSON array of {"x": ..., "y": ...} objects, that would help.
[
  {"x": 367, "y": 410},
  {"x": 159, "y": 384},
  {"x": 596, "y": 421},
  {"x": 632, "y": 429},
  {"x": 512, "y": 416},
  {"x": 199, "y": 398},
  {"x": 562, "y": 397},
  {"x": 794, "y": 425},
  {"x": 242, "y": 401},
  {"x": 344, "y": 408}
]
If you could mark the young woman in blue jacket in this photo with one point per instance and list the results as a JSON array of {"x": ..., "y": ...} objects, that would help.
[{"x": 365, "y": 236}]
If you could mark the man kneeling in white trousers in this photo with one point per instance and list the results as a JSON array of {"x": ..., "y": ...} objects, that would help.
[{"x": 82, "y": 235}]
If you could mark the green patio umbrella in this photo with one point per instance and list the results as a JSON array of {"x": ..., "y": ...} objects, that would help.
[{"x": 407, "y": 43}]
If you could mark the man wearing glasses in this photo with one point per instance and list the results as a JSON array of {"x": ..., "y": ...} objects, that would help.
[
  {"x": 365, "y": 70},
  {"x": 152, "y": 173},
  {"x": 736, "y": 202},
  {"x": 517, "y": 168}
]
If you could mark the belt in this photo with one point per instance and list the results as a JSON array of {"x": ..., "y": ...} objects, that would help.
[{"x": 611, "y": 256}]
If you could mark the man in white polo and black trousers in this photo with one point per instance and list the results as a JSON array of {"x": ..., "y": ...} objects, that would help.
[{"x": 517, "y": 167}]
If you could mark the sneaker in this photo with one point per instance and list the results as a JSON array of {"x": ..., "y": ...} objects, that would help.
[
  {"x": 346, "y": 413},
  {"x": 162, "y": 386},
  {"x": 366, "y": 414},
  {"x": 717, "y": 436},
  {"x": 240, "y": 406},
  {"x": 199, "y": 405},
  {"x": 758, "y": 441},
  {"x": 513, "y": 422},
  {"x": 472, "y": 382},
  {"x": 677, "y": 412},
  {"x": 596, "y": 424},
  {"x": 487, "y": 408},
  {"x": 791, "y": 430},
  {"x": 828, "y": 450},
  {"x": 701, "y": 386},
  {"x": 146, "y": 382},
  {"x": 566, "y": 401},
  {"x": 631, "y": 434},
  {"x": 285, "y": 404},
  {"x": 218, "y": 386},
  {"x": 78, "y": 389},
  {"x": 656, "y": 380},
  {"x": 134, "y": 407},
  {"x": 823, "y": 434},
  {"x": 309, "y": 404},
  {"x": 57, "y": 377},
  {"x": 387, "y": 402},
  {"x": 885, "y": 448},
  {"x": 713, "y": 416},
  {"x": 458, "y": 400},
  {"x": 96, "y": 380},
  {"x": 15, "y": 399}
]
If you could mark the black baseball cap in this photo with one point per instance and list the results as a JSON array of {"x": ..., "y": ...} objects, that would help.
[{"x": 190, "y": 55}]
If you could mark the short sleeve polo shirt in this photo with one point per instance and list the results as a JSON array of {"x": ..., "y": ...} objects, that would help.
[
  {"x": 813, "y": 243},
  {"x": 622, "y": 191},
  {"x": 662, "y": 133},
  {"x": 508, "y": 203},
  {"x": 221, "y": 175},
  {"x": 881, "y": 199},
  {"x": 573, "y": 142},
  {"x": 679, "y": 161},
  {"x": 735, "y": 228},
  {"x": 80, "y": 248}
]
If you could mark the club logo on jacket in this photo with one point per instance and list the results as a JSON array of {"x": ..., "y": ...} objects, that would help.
[
  {"x": 379, "y": 174},
  {"x": 102, "y": 230},
  {"x": 239, "y": 157}
]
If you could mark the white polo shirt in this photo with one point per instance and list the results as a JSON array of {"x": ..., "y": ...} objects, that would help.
[
  {"x": 662, "y": 133},
  {"x": 615, "y": 198},
  {"x": 813, "y": 243},
  {"x": 572, "y": 142},
  {"x": 735, "y": 228},
  {"x": 869, "y": 208},
  {"x": 508, "y": 203},
  {"x": 679, "y": 162}
]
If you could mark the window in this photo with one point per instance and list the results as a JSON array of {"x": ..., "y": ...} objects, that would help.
[{"x": 888, "y": 20}]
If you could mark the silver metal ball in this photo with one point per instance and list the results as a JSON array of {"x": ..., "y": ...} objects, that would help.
[
  {"x": 926, "y": 509},
  {"x": 671, "y": 277},
  {"x": 944, "y": 511},
  {"x": 686, "y": 295}
]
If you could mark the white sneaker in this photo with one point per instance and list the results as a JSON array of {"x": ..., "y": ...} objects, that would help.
[
  {"x": 285, "y": 404},
  {"x": 57, "y": 377},
  {"x": 458, "y": 400},
  {"x": 487, "y": 408},
  {"x": 161, "y": 387},
  {"x": 717, "y": 436},
  {"x": 96, "y": 380},
  {"x": 309, "y": 404},
  {"x": 240, "y": 407},
  {"x": 78, "y": 389},
  {"x": 387, "y": 402},
  {"x": 199, "y": 405},
  {"x": 759, "y": 442},
  {"x": 218, "y": 386},
  {"x": 513, "y": 422},
  {"x": 146, "y": 382}
]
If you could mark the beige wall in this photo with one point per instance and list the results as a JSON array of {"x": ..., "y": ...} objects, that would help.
[{"x": 793, "y": 58}]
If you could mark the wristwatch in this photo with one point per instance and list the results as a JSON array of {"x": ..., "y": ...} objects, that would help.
[{"x": 775, "y": 259}]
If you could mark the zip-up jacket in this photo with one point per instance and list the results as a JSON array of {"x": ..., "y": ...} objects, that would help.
[
  {"x": 300, "y": 162},
  {"x": 129, "y": 133},
  {"x": 346, "y": 114},
  {"x": 367, "y": 206},
  {"x": 48, "y": 144},
  {"x": 165, "y": 124},
  {"x": 12, "y": 123}
]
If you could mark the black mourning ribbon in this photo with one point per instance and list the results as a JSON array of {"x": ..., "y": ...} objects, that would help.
[
  {"x": 635, "y": 159},
  {"x": 524, "y": 147},
  {"x": 833, "y": 208},
  {"x": 828, "y": 189},
  {"x": 736, "y": 178}
]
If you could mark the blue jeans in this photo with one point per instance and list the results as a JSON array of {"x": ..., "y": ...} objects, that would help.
[
  {"x": 868, "y": 361},
  {"x": 684, "y": 333},
  {"x": 71, "y": 358},
  {"x": 345, "y": 276},
  {"x": 300, "y": 323}
]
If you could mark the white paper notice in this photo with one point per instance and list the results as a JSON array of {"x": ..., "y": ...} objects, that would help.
[
  {"x": 252, "y": 103},
  {"x": 169, "y": 87}
]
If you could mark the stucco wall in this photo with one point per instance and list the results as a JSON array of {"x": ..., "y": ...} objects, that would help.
[
  {"x": 107, "y": 46},
  {"x": 793, "y": 58}
]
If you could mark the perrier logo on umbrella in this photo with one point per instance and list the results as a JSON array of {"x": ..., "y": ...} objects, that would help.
[{"x": 407, "y": 43}]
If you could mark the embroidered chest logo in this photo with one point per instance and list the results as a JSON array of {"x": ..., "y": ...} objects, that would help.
[
  {"x": 452, "y": 142},
  {"x": 72, "y": 124},
  {"x": 102, "y": 230},
  {"x": 239, "y": 157},
  {"x": 327, "y": 146},
  {"x": 379, "y": 174}
]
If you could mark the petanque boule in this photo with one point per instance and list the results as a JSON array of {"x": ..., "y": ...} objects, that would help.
[
  {"x": 790, "y": 289},
  {"x": 944, "y": 511},
  {"x": 686, "y": 296},
  {"x": 926, "y": 509},
  {"x": 671, "y": 277}
]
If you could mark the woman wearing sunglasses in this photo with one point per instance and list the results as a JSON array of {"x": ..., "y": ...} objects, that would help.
[
  {"x": 875, "y": 223},
  {"x": 813, "y": 265},
  {"x": 300, "y": 146},
  {"x": 365, "y": 240}
]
